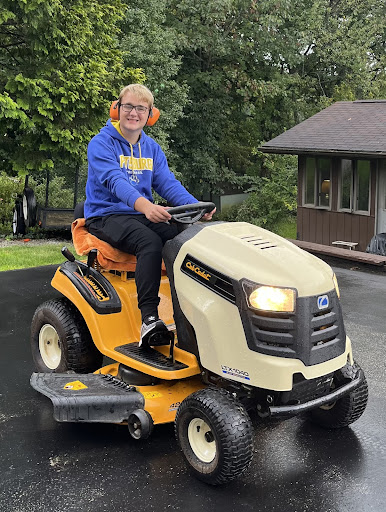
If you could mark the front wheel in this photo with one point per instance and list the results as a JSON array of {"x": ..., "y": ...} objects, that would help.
[
  {"x": 61, "y": 341},
  {"x": 347, "y": 409},
  {"x": 215, "y": 434}
]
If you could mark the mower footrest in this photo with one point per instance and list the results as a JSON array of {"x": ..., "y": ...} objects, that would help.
[
  {"x": 150, "y": 357},
  {"x": 88, "y": 397}
]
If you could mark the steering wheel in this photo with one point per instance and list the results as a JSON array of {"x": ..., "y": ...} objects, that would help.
[{"x": 190, "y": 213}]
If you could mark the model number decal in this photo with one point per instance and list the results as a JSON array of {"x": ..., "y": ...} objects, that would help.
[{"x": 235, "y": 372}]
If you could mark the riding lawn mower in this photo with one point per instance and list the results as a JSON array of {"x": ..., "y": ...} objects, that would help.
[{"x": 256, "y": 329}]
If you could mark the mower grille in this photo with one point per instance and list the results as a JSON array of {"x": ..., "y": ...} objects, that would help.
[{"x": 311, "y": 335}]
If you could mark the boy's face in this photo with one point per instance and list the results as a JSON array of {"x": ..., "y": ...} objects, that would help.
[{"x": 132, "y": 123}]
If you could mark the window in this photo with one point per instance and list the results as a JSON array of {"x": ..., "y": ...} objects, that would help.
[
  {"x": 354, "y": 186},
  {"x": 317, "y": 182},
  {"x": 362, "y": 186},
  {"x": 346, "y": 185},
  {"x": 310, "y": 182}
]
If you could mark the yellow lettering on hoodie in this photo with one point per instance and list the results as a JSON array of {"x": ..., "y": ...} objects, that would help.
[
  {"x": 134, "y": 164},
  {"x": 123, "y": 161}
]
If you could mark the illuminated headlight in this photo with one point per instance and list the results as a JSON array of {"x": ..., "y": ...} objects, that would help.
[
  {"x": 270, "y": 298},
  {"x": 336, "y": 285}
]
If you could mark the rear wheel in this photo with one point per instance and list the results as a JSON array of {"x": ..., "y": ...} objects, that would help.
[
  {"x": 61, "y": 341},
  {"x": 215, "y": 434},
  {"x": 346, "y": 410}
]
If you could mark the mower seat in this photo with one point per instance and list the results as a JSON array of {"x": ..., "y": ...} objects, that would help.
[{"x": 108, "y": 257}]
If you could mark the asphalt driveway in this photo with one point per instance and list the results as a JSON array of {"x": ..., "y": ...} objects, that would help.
[{"x": 297, "y": 467}]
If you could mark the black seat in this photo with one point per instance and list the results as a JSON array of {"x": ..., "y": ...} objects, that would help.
[{"x": 79, "y": 211}]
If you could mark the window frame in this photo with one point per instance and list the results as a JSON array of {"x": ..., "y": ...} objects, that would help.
[
  {"x": 317, "y": 172},
  {"x": 354, "y": 187}
]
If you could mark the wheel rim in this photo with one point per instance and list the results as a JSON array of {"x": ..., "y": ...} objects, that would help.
[
  {"x": 201, "y": 440},
  {"x": 14, "y": 222},
  {"x": 25, "y": 208},
  {"x": 135, "y": 427},
  {"x": 49, "y": 346}
]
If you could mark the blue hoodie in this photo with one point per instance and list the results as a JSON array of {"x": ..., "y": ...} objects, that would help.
[{"x": 119, "y": 173}]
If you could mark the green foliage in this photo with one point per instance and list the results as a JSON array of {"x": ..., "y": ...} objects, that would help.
[
  {"x": 255, "y": 69},
  {"x": 60, "y": 194},
  {"x": 227, "y": 75},
  {"x": 10, "y": 188},
  {"x": 59, "y": 69},
  {"x": 150, "y": 44},
  {"x": 272, "y": 199}
]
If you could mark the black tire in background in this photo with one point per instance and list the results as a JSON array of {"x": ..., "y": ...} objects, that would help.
[
  {"x": 347, "y": 409},
  {"x": 18, "y": 224},
  {"x": 215, "y": 434},
  {"x": 61, "y": 341},
  {"x": 29, "y": 207}
]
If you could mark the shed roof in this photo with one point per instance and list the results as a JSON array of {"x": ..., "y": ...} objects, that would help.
[{"x": 346, "y": 128}]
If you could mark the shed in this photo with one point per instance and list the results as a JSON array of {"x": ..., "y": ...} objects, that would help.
[{"x": 341, "y": 172}]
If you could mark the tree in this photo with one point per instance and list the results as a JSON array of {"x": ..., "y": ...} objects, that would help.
[
  {"x": 59, "y": 70},
  {"x": 150, "y": 45},
  {"x": 255, "y": 69}
]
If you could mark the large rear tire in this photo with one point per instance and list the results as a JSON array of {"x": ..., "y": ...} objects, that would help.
[
  {"x": 346, "y": 410},
  {"x": 215, "y": 434},
  {"x": 61, "y": 341}
]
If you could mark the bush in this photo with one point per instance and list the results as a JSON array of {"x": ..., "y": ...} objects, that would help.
[
  {"x": 271, "y": 199},
  {"x": 10, "y": 188},
  {"x": 59, "y": 195}
]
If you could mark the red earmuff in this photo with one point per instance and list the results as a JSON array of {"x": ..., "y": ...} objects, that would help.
[{"x": 153, "y": 116}]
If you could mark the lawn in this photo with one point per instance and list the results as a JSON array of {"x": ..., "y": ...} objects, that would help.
[{"x": 30, "y": 255}]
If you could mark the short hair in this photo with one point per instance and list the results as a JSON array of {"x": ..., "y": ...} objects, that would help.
[{"x": 139, "y": 90}]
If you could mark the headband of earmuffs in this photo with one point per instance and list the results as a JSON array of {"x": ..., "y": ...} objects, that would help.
[{"x": 152, "y": 119}]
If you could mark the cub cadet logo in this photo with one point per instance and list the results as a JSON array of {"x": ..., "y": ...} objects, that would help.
[
  {"x": 323, "y": 302},
  {"x": 198, "y": 270}
]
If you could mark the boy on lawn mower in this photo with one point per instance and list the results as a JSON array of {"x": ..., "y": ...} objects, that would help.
[{"x": 124, "y": 164}]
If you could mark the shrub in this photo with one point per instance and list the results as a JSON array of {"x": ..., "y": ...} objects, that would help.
[{"x": 10, "y": 188}]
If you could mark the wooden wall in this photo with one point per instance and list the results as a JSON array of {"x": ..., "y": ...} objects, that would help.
[{"x": 324, "y": 226}]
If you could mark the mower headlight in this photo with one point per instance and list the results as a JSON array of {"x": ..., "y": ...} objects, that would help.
[
  {"x": 336, "y": 285},
  {"x": 270, "y": 298}
]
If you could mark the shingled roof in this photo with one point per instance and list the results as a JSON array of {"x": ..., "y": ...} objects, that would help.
[{"x": 346, "y": 128}]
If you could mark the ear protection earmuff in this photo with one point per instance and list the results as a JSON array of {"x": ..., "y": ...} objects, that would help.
[{"x": 152, "y": 119}]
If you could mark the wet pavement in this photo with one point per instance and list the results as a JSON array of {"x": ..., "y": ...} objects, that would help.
[{"x": 297, "y": 467}]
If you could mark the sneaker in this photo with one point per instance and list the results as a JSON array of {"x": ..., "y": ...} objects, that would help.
[{"x": 154, "y": 333}]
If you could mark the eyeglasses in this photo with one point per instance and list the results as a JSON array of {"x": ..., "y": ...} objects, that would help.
[{"x": 128, "y": 107}]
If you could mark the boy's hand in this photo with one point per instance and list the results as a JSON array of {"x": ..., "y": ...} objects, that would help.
[
  {"x": 208, "y": 216},
  {"x": 153, "y": 212}
]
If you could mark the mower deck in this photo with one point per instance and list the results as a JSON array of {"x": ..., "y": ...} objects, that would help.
[{"x": 88, "y": 397}]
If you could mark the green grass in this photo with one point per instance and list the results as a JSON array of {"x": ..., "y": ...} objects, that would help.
[
  {"x": 26, "y": 256},
  {"x": 286, "y": 228}
]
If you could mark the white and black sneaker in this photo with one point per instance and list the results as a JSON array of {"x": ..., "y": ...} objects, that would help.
[{"x": 154, "y": 333}]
